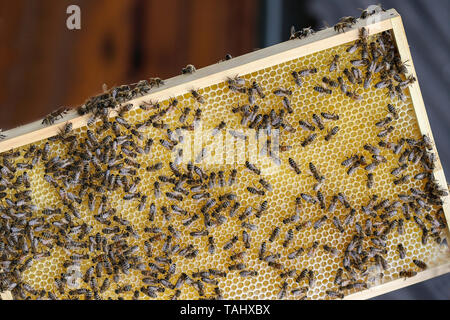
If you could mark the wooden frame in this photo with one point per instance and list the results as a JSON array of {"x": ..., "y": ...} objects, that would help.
[{"x": 289, "y": 50}]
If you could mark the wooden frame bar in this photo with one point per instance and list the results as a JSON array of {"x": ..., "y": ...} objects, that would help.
[{"x": 289, "y": 50}]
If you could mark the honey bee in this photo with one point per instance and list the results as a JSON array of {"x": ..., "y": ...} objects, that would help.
[
  {"x": 288, "y": 238},
  {"x": 143, "y": 202},
  {"x": 256, "y": 191},
  {"x": 369, "y": 183},
  {"x": 251, "y": 95},
  {"x": 311, "y": 278},
  {"x": 306, "y": 125},
  {"x": 367, "y": 80},
  {"x": 403, "y": 179},
  {"x": 425, "y": 236},
  {"x": 353, "y": 95},
  {"x": 410, "y": 80},
  {"x": 246, "y": 239},
  {"x": 275, "y": 265},
  {"x": 237, "y": 266},
  {"x": 357, "y": 74},
  {"x": 201, "y": 233},
  {"x": 293, "y": 218},
  {"x": 262, "y": 251},
  {"x": 354, "y": 167},
  {"x": 340, "y": 26},
  {"x": 258, "y": 89},
  {"x": 330, "y": 82},
  {"x": 321, "y": 199},
  {"x": 248, "y": 211},
  {"x": 350, "y": 217},
  {"x": 382, "y": 84},
  {"x": 248, "y": 273},
  {"x": 51, "y": 118},
  {"x": 363, "y": 35},
  {"x": 249, "y": 226},
  {"x": 308, "y": 198},
  {"x": 303, "y": 274},
  {"x": 331, "y": 133},
  {"x": 298, "y": 81},
  {"x": 352, "y": 48},
  {"x": 333, "y": 251},
  {"x": 237, "y": 89},
  {"x": 398, "y": 170},
  {"x": 237, "y": 81},
  {"x": 283, "y": 290},
  {"x": 320, "y": 89},
  {"x": 407, "y": 273},
  {"x": 393, "y": 111},
  {"x": 295, "y": 34},
  {"x": 360, "y": 62},
  {"x": 156, "y": 82},
  {"x": 337, "y": 224},
  {"x": 383, "y": 122},
  {"x": 281, "y": 92},
  {"x": 334, "y": 63},
  {"x": 385, "y": 132},
  {"x": 287, "y": 105},
  {"x": 329, "y": 116},
  {"x": 274, "y": 234},
  {"x": 307, "y": 72},
  {"x": 184, "y": 115},
  {"x": 349, "y": 76},
  {"x": 230, "y": 243},
  {"x": 238, "y": 256},
  {"x": 189, "y": 69},
  {"x": 238, "y": 135},
  {"x": 211, "y": 245},
  {"x": 422, "y": 265},
  {"x": 198, "y": 97},
  {"x": 342, "y": 84},
  {"x": 381, "y": 262},
  {"x": 294, "y": 166},
  {"x": 308, "y": 140},
  {"x": 313, "y": 249},
  {"x": 334, "y": 294},
  {"x": 350, "y": 161},
  {"x": 338, "y": 278},
  {"x": 401, "y": 251}
]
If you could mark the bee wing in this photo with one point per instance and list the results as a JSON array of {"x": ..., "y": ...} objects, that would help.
[{"x": 292, "y": 31}]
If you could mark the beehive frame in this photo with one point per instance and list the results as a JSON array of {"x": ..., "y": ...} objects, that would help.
[{"x": 322, "y": 40}]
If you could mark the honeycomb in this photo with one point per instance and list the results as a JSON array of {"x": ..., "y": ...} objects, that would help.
[{"x": 356, "y": 128}]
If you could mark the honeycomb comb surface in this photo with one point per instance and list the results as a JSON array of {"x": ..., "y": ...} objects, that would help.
[{"x": 356, "y": 128}]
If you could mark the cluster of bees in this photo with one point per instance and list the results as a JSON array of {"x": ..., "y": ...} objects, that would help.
[{"x": 106, "y": 162}]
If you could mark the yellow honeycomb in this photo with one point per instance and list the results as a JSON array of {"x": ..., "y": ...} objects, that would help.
[{"x": 356, "y": 127}]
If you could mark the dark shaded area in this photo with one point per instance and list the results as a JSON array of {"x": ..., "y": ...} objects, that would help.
[{"x": 296, "y": 14}]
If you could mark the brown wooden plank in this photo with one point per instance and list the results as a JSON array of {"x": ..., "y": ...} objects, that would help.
[{"x": 44, "y": 65}]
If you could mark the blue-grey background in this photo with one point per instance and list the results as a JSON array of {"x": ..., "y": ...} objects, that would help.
[{"x": 427, "y": 25}]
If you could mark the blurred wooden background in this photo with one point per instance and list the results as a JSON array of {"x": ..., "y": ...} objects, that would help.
[{"x": 43, "y": 65}]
